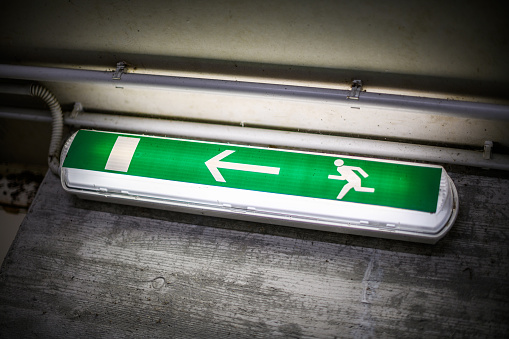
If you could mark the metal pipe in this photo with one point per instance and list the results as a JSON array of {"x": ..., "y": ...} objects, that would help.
[
  {"x": 25, "y": 114},
  {"x": 15, "y": 88},
  {"x": 259, "y": 136},
  {"x": 456, "y": 108}
]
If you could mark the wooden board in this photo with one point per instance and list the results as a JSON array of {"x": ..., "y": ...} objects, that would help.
[{"x": 87, "y": 269}]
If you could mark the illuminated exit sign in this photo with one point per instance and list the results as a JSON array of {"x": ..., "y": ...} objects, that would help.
[
  {"x": 330, "y": 177},
  {"x": 302, "y": 189}
]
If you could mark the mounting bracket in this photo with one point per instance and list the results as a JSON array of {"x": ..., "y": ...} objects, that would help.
[
  {"x": 355, "y": 90},
  {"x": 121, "y": 66},
  {"x": 488, "y": 148}
]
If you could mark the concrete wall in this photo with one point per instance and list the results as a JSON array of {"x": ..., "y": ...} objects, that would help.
[{"x": 453, "y": 50}]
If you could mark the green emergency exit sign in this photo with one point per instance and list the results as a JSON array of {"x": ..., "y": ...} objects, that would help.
[{"x": 324, "y": 176}]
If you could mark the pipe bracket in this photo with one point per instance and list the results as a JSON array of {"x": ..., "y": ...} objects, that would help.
[
  {"x": 355, "y": 91},
  {"x": 76, "y": 110},
  {"x": 488, "y": 148},
  {"x": 121, "y": 66}
]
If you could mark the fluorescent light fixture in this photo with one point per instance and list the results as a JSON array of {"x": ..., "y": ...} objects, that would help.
[{"x": 329, "y": 192}]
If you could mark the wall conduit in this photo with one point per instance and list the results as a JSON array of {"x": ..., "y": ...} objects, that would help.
[
  {"x": 256, "y": 135},
  {"x": 366, "y": 99},
  {"x": 259, "y": 136}
]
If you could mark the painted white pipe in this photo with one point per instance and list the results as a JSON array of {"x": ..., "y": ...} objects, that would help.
[
  {"x": 259, "y": 136},
  {"x": 25, "y": 114},
  {"x": 326, "y": 95},
  {"x": 16, "y": 88}
]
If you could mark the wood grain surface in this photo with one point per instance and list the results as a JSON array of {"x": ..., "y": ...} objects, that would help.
[{"x": 87, "y": 269}]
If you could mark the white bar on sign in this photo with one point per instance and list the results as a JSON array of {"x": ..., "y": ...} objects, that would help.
[{"x": 122, "y": 154}]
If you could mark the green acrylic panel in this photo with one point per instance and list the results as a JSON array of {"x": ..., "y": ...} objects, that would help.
[{"x": 407, "y": 186}]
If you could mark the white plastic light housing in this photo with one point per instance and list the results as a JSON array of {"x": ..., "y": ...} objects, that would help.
[{"x": 328, "y": 192}]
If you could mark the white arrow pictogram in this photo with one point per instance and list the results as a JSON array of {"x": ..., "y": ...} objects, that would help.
[{"x": 214, "y": 163}]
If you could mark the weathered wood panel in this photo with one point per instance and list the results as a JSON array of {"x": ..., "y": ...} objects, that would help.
[{"x": 87, "y": 269}]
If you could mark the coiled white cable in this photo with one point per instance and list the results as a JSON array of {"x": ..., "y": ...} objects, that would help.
[{"x": 57, "y": 125}]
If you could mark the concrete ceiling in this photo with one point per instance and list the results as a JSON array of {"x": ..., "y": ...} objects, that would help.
[{"x": 415, "y": 40}]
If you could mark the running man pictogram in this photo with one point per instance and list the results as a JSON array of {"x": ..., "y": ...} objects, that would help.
[{"x": 353, "y": 179}]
